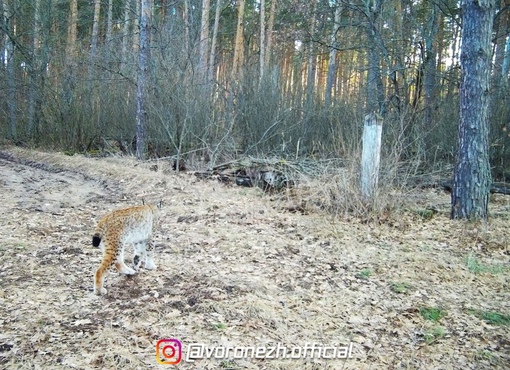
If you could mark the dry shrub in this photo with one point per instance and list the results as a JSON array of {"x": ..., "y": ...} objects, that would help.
[{"x": 336, "y": 191}]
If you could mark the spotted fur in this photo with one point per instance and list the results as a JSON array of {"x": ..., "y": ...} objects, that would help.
[{"x": 133, "y": 225}]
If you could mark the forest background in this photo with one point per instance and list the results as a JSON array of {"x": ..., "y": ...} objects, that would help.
[{"x": 281, "y": 78}]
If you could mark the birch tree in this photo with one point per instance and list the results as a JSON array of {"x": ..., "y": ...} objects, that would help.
[{"x": 470, "y": 193}]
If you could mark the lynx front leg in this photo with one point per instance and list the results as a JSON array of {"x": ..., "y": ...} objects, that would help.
[{"x": 149, "y": 261}]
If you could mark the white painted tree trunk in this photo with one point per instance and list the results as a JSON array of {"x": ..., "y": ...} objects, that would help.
[{"x": 371, "y": 155}]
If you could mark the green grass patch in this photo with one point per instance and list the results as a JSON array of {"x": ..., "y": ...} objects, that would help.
[
  {"x": 227, "y": 364},
  {"x": 219, "y": 326},
  {"x": 432, "y": 335},
  {"x": 488, "y": 356},
  {"x": 492, "y": 317},
  {"x": 476, "y": 267},
  {"x": 364, "y": 274},
  {"x": 399, "y": 287},
  {"x": 432, "y": 313},
  {"x": 426, "y": 214}
]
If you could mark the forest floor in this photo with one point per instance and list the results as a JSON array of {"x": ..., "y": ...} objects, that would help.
[{"x": 239, "y": 276}]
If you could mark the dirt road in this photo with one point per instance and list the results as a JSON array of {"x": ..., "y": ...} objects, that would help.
[{"x": 235, "y": 270}]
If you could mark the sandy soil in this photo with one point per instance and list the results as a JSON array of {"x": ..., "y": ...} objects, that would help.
[{"x": 235, "y": 269}]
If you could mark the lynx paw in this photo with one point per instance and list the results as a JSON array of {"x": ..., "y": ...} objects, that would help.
[
  {"x": 150, "y": 265},
  {"x": 101, "y": 291},
  {"x": 129, "y": 271}
]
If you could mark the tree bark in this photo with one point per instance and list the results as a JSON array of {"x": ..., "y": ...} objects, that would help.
[
  {"x": 472, "y": 178},
  {"x": 269, "y": 38},
  {"x": 310, "y": 79},
  {"x": 212, "y": 57},
  {"x": 204, "y": 41},
  {"x": 237, "y": 67},
  {"x": 109, "y": 20},
  {"x": 72, "y": 32},
  {"x": 332, "y": 56},
  {"x": 506, "y": 61},
  {"x": 142, "y": 116},
  {"x": 34, "y": 71},
  {"x": 125, "y": 34},
  {"x": 262, "y": 48},
  {"x": 375, "y": 92},
  {"x": 10, "y": 55},
  {"x": 95, "y": 30},
  {"x": 429, "y": 68},
  {"x": 499, "y": 56}
]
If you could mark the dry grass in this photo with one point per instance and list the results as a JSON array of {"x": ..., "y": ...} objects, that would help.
[{"x": 240, "y": 270}]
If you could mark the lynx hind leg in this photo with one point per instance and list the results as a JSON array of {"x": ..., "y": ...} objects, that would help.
[
  {"x": 120, "y": 265},
  {"x": 140, "y": 253},
  {"x": 149, "y": 260},
  {"x": 101, "y": 272},
  {"x": 99, "y": 281}
]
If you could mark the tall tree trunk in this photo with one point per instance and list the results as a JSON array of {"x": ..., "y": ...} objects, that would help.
[
  {"x": 472, "y": 178},
  {"x": 506, "y": 61},
  {"x": 332, "y": 56},
  {"x": 499, "y": 57},
  {"x": 10, "y": 55},
  {"x": 95, "y": 30},
  {"x": 136, "y": 27},
  {"x": 310, "y": 79},
  {"x": 34, "y": 71},
  {"x": 187, "y": 28},
  {"x": 5, "y": 36},
  {"x": 142, "y": 116},
  {"x": 429, "y": 67},
  {"x": 72, "y": 32},
  {"x": 204, "y": 41},
  {"x": 109, "y": 20},
  {"x": 429, "y": 81},
  {"x": 262, "y": 48},
  {"x": 375, "y": 92},
  {"x": 125, "y": 34},
  {"x": 237, "y": 68},
  {"x": 212, "y": 57},
  {"x": 270, "y": 27}
]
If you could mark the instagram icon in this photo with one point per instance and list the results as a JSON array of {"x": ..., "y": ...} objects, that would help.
[{"x": 169, "y": 351}]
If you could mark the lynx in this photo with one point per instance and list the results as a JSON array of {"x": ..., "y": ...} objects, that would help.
[{"x": 133, "y": 225}]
